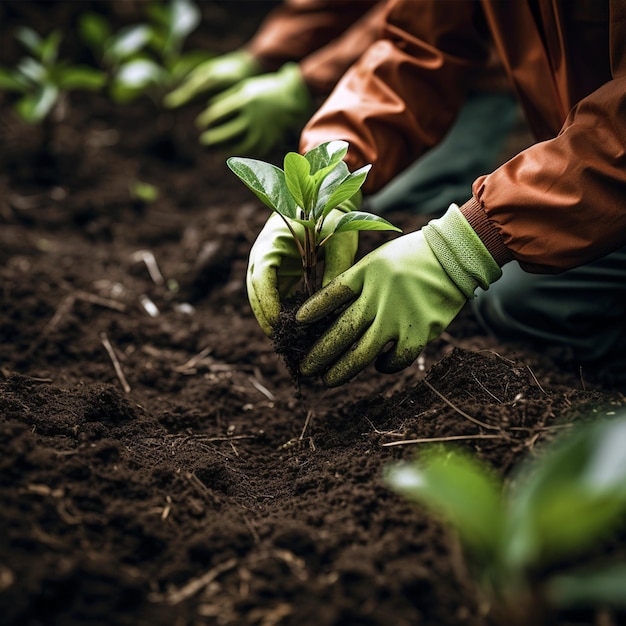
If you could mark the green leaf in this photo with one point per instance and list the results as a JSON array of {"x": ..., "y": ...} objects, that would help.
[
  {"x": 127, "y": 42},
  {"x": 10, "y": 81},
  {"x": 139, "y": 73},
  {"x": 94, "y": 30},
  {"x": 359, "y": 220},
  {"x": 460, "y": 489},
  {"x": 328, "y": 185},
  {"x": 309, "y": 224},
  {"x": 158, "y": 13},
  {"x": 34, "y": 107},
  {"x": 267, "y": 182},
  {"x": 144, "y": 192},
  {"x": 572, "y": 496},
  {"x": 81, "y": 77},
  {"x": 50, "y": 47},
  {"x": 122, "y": 95},
  {"x": 298, "y": 179},
  {"x": 186, "y": 62},
  {"x": 33, "y": 70},
  {"x": 30, "y": 39},
  {"x": 347, "y": 188},
  {"x": 184, "y": 18},
  {"x": 326, "y": 155},
  {"x": 134, "y": 77},
  {"x": 172, "y": 23},
  {"x": 604, "y": 586}
]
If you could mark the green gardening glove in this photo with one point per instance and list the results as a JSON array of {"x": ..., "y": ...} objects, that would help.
[
  {"x": 254, "y": 115},
  {"x": 214, "y": 75},
  {"x": 275, "y": 265},
  {"x": 406, "y": 292}
]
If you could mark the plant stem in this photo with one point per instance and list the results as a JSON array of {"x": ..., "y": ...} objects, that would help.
[{"x": 309, "y": 262}]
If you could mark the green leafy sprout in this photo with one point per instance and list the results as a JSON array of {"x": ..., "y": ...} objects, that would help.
[
  {"x": 42, "y": 80},
  {"x": 143, "y": 192},
  {"x": 555, "y": 508},
  {"x": 145, "y": 58},
  {"x": 305, "y": 192}
]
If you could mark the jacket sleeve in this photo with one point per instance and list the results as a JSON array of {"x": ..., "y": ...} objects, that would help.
[
  {"x": 298, "y": 28},
  {"x": 561, "y": 203},
  {"x": 403, "y": 94},
  {"x": 322, "y": 69}
]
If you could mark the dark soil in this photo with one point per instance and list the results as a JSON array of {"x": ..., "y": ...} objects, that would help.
[
  {"x": 292, "y": 341},
  {"x": 189, "y": 484}
]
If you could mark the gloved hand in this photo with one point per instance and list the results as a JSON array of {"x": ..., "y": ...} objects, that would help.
[
  {"x": 254, "y": 115},
  {"x": 214, "y": 75},
  {"x": 275, "y": 265},
  {"x": 405, "y": 292}
]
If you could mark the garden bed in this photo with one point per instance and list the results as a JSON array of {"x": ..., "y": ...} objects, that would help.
[{"x": 157, "y": 465}]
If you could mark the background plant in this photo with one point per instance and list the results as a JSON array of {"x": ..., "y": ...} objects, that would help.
[
  {"x": 43, "y": 81},
  {"x": 145, "y": 58},
  {"x": 554, "y": 509},
  {"x": 308, "y": 188}
]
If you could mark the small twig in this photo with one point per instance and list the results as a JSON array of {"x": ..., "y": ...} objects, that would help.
[
  {"x": 406, "y": 442},
  {"x": 252, "y": 529},
  {"x": 196, "y": 482},
  {"x": 264, "y": 390},
  {"x": 224, "y": 438},
  {"x": 532, "y": 429},
  {"x": 530, "y": 443},
  {"x": 153, "y": 269},
  {"x": 498, "y": 355},
  {"x": 459, "y": 411},
  {"x": 194, "y": 360},
  {"x": 116, "y": 364},
  {"x": 386, "y": 433},
  {"x": 167, "y": 509},
  {"x": 148, "y": 306},
  {"x": 68, "y": 303},
  {"x": 100, "y": 301},
  {"x": 62, "y": 310},
  {"x": 485, "y": 389},
  {"x": 309, "y": 416},
  {"x": 176, "y": 596},
  {"x": 536, "y": 381}
]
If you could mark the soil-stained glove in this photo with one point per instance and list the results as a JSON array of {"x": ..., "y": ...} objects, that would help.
[
  {"x": 213, "y": 76},
  {"x": 275, "y": 265},
  {"x": 254, "y": 115},
  {"x": 404, "y": 293}
]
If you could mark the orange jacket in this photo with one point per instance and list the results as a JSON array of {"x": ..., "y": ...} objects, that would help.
[
  {"x": 324, "y": 36},
  {"x": 556, "y": 205}
]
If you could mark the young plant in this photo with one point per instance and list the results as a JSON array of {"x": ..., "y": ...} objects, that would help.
[
  {"x": 145, "y": 58},
  {"x": 308, "y": 188},
  {"x": 517, "y": 537},
  {"x": 43, "y": 81},
  {"x": 143, "y": 193}
]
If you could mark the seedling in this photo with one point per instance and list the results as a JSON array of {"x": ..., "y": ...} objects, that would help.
[
  {"x": 143, "y": 193},
  {"x": 44, "y": 81},
  {"x": 146, "y": 58},
  {"x": 517, "y": 536},
  {"x": 304, "y": 193}
]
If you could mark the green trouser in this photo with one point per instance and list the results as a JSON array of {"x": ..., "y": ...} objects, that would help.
[
  {"x": 583, "y": 309},
  {"x": 473, "y": 146}
]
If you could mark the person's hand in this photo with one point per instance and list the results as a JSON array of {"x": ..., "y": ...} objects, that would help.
[
  {"x": 213, "y": 76},
  {"x": 398, "y": 297},
  {"x": 253, "y": 116},
  {"x": 275, "y": 265}
]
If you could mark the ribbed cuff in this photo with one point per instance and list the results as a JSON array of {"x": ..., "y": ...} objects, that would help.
[
  {"x": 486, "y": 231},
  {"x": 461, "y": 252}
]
